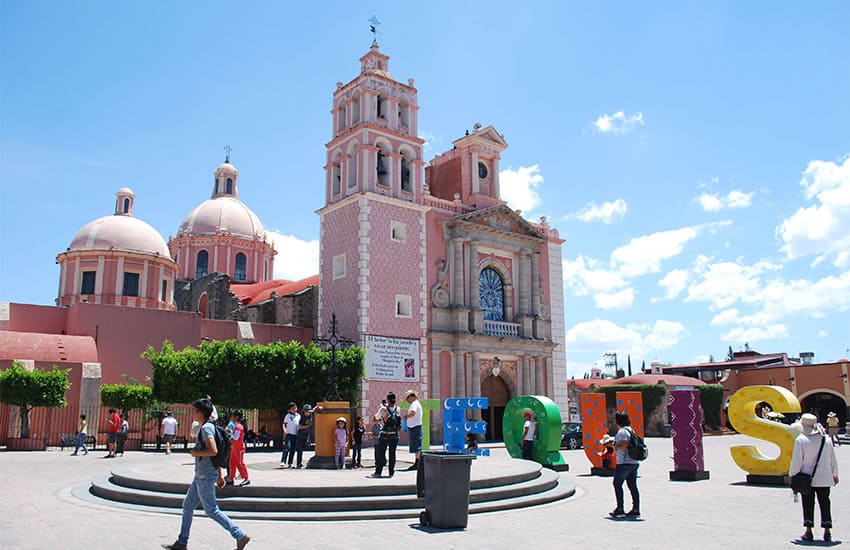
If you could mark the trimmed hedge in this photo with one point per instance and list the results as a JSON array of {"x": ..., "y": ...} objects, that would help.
[
  {"x": 711, "y": 398},
  {"x": 653, "y": 395}
]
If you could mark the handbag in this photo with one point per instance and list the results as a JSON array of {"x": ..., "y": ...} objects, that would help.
[{"x": 802, "y": 483}]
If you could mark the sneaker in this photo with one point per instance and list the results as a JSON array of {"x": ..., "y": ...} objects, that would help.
[
  {"x": 617, "y": 513},
  {"x": 283, "y": 464},
  {"x": 374, "y": 475},
  {"x": 174, "y": 546},
  {"x": 228, "y": 482},
  {"x": 243, "y": 542},
  {"x": 298, "y": 467},
  {"x": 413, "y": 467},
  {"x": 73, "y": 454},
  {"x": 807, "y": 536},
  {"x": 245, "y": 483},
  {"x": 392, "y": 474},
  {"x": 633, "y": 514}
]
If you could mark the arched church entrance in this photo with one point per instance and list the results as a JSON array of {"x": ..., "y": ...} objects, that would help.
[
  {"x": 498, "y": 395},
  {"x": 822, "y": 403}
]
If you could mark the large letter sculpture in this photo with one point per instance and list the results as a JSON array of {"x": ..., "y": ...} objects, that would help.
[
  {"x": 742, "y": 415},
  {"x": 547, "y": 446},
  {"x": 594, "y": 424},
  {"x": 686, "y": 421},
  {"x": 428, "y": 405},
  {"x": 455, "y": 425}
]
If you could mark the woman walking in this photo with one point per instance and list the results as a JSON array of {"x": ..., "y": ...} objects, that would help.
[
  {"x": 81, "y": 437},
  {"x": 814, "y": 457}
]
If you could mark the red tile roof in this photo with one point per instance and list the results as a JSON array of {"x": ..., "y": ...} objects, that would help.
[{"x": 258, "y": 292}]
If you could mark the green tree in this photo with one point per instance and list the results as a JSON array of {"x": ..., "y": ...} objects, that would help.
[
  {"x": 731, "y": 355},
  {"x": 630, "y": 364},
  {"x": 252, "y": 376},
  {"x": 126, "y": 396},
  {"x": 35, "y": 388}
]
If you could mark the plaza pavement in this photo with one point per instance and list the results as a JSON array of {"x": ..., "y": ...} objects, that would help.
[{"x": 38, "y": 511}]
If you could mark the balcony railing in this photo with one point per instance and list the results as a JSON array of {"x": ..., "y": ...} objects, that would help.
[{"x": 501, "y": 329}]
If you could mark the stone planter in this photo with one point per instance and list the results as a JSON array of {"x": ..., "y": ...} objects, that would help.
[{"x": 29, "y": 444}]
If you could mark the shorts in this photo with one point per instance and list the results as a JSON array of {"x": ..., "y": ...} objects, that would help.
[
  {"x": 112, "y": 437},
  {"x": 415, "y": 434},
  {"x": 169, "y": 438},
  {"x": 833, "y": 430}
]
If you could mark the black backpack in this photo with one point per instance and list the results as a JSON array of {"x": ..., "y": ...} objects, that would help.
[
  {"x": 637, "y": 449},
  {"x": 223, "y": 443},
  {"x": 393, "y": 422}
]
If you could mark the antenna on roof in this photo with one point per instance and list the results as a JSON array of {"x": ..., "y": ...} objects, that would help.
[
  {"x": 227, "y": 150},
  {"x": 373, "y": 28}
]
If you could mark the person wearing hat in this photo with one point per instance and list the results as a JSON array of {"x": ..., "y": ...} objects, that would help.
[
  {"x": 414, "y": 426},
  {"x": 607, "y": 452},
  {"x": 832, "y": 427},
  {"x": 305, "y": 432},
  {"x": 340, "y": 441},
  {"x": 529, "y": 432},
  {"x": 207, "y": 477},
  {"x": 812, "y": 456},
  {"x": 389, "y": 415}
]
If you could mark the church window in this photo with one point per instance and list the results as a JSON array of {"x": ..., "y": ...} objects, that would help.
[
  {"x": 352, "y": 170},
  {"x": 339, "y": 266},
  {"x": 126, "y": 207},
  {"x": 398, "y": 232},
  {"x": 406, "y": 184},
  {"x": 202, "y": 265},
  {"x": 88, "y": 282},
  {"x": 229, "y": 188},
  {"x": 241, "y": 267},
  {"x": 336, "y": 177},
  {"x": 380, "y": 107},
  {"x": 340, "y": 122},
  {"x": 164, "y": 293},
  {"x": 492, "y": 294},
  {"x": 131, "y": 284},
  {"x": 403, "y": 306}
]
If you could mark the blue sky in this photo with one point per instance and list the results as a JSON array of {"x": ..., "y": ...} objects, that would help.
[{"x": 692, "y": 154}]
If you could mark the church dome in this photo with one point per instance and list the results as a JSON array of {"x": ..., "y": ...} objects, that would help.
[
  {"x": 222, "y": 215},
  {"x": 226, "y": 168},
  {"x": 121, "y": 231}
]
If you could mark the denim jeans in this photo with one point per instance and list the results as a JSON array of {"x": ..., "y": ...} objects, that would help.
[
  {"x": 202, "y": 491},
  {"x": 627, "y": 473},
  {"x": 822, "y": 494},
  {"x": 288, "y": 448},
  {"x": 81, "y": 442},
  {"x": 385, "y": 442},
  {"x": 299, "y": 446},
  {"x": 356, "y": 453}
]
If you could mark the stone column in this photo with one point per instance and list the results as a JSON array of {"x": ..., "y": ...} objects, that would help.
[
  {"x": 458, "y": 375},
  {"x": 539, "y": 388},
  {"x": 550, "y": 379},
  {"x": 474, "y": 281},
  {"x": 525, "y": 385},
  {"x": 495, "y": 191},
  {"x": 476, "y": 184},
  {"x": 522, "y": 306},
  {"x": 457, "y": 272},
  {"x": 535, "y": 283},
  {"x": 90, "y": 396},
  {"x": 475, "y": 383}
]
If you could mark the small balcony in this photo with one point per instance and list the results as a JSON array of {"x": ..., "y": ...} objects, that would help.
[{"x": 501, "y": 329}]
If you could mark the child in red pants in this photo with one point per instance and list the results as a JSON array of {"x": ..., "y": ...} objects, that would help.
[{"x": 237, "y": 451}]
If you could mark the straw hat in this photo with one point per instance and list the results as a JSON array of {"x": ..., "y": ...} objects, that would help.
[
  {"x": 606, "y": 439},
  {"x": 408, "y": 393},
  {"x": 832, "y": 414}
]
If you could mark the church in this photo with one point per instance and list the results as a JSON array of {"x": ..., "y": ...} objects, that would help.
[{"x": 451, "y": 292}]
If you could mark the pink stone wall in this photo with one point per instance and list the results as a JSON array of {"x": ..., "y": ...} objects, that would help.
[
  {"x": 393, "y": 270},
  {"x": 340, "y": 236},
  {"x": 33, "y": 318}
]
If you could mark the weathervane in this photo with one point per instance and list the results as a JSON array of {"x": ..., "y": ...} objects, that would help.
[
  {"x": 373, "y": 28},
  {"x": 227, "y": 150}
]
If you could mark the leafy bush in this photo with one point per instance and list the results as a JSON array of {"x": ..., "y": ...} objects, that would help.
[
  {"x": 35, "y": 388},
  {"x": 711, "y": 398},
  {"x": 126, "y": 396},
  {"x": 252, "y": 376}
]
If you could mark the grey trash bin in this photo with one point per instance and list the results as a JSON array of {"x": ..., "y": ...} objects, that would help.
[{"x": 443, "y": 481}]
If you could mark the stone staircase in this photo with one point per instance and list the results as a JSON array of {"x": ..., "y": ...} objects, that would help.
[{"x": 530, "y": 485}]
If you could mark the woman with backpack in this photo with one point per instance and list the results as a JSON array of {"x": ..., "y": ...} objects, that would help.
[
  {"x": 626, "y": 468},
  {"x": 207, "y": 477}
]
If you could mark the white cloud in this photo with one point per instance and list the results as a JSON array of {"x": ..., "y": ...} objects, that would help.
[
  {"x": 674, "y": 283},
  {"x": 519, "y": 187},
  {"x": 585, "y": 276},
  {"x": 617, "y": 300},
  {"x": 605, "y": 212},
  {"x": 644, "y": 254},
  {"x": 823, "y": 228},
  {"x": 742, "y": 335},
  {"x": 724, "y": 283},
  {"x": 618, "y": 123},
  {"x": 296, "y": 259},
  {"x": 712, "y": 202},
  {"x": 823, "y": 334},
  {"x": 601, "y": 336}
]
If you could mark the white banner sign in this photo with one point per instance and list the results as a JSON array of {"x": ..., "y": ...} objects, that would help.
[{"x": 392, "y": 358}]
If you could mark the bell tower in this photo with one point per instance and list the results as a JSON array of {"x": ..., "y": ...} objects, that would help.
[
  {"x": 373, "y": 225},
  {"x": 374, "y": 147}
]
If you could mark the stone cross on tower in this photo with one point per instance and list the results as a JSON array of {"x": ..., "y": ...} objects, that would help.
[
  {"x": 373, "y": 28},
  {"x": 227, "y": 150}
]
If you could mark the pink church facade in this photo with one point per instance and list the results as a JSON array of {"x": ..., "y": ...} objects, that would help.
[{"x": 431, "y": 261}]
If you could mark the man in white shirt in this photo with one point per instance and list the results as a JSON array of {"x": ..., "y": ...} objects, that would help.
[
  {"x": 169, "y": 430},
  {"x": 290, "y": 430},
  {"x": 414, "y": 426},
  {"x": 529, "y": 431}
]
